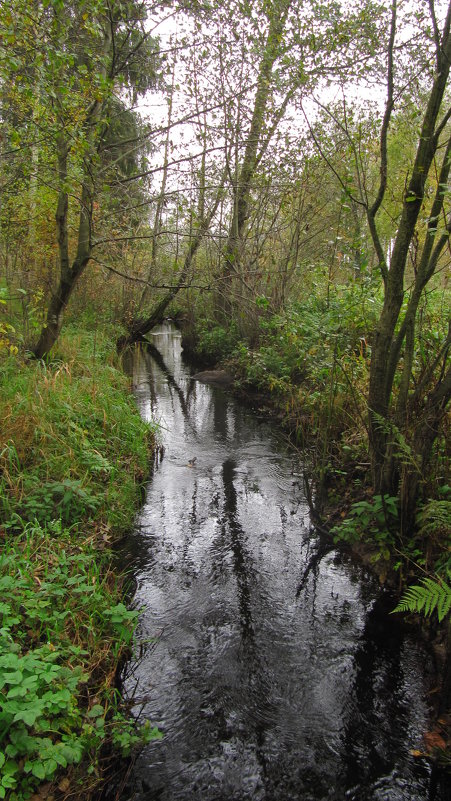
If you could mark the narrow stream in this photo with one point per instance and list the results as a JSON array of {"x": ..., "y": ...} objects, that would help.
[{"x": 264, "y": 690}]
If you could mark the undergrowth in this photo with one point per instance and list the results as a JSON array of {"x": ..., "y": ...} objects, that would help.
[
  {"x": 72, "y": 444},
  {"x": 64, "y": 630},
  {"x": 310, "y": 365},
  {"x": 73, "y": 458}
]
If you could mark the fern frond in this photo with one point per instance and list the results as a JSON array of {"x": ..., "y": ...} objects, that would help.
[
  {"x": 401, "y": 447},
  {"x": 426, "y": 598},
  {"x": 435, "y": 516}
]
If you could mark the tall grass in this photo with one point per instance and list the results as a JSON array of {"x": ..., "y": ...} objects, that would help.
[
  {"x": 74, "y": 455},
  {"x": 72, "y": 444}
]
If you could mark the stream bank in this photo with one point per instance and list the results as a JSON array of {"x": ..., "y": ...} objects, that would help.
[
  {"x": 74, "y": 456},
  {"x": 337, "y": 484},
  {"x": 267, "y": 680}
]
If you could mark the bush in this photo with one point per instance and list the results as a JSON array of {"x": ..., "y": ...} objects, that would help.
[
  {"x": 63, "y": 631},
  {"x": 215, "y": 343}
]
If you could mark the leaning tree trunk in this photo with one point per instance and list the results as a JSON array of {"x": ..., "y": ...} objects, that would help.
[
  {"x": 141, "y": 327},
  {"x": 69, "y": 273}
]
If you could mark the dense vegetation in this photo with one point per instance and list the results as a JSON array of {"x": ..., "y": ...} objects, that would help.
[
  {"x": 74, "y": 454},
  {"x": 276, "y": 174},
  {"x": 312, "y": 363}
]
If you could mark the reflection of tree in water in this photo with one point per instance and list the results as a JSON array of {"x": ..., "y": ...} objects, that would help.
[
  {"x": 380, "y": 711},
  {"x": 136, "y": 364},
  {"x": 257, "y": 684},
  {"x": 243, "y": 568},
  {"x": 219, "y": 671},
  {"x": 220, "y": 414},
  {"x": 156, "y": 356}
]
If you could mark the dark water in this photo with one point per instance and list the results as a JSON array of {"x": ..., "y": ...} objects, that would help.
[{"x": 263, "y": 691}]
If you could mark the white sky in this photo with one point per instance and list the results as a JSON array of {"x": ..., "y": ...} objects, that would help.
[{"x": 170, "y": 29}]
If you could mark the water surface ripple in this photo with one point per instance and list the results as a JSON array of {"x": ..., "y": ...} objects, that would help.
[{"x": 262, "y": 692}]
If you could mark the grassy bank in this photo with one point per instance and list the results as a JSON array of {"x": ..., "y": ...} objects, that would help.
[{"x": 74, "y": 455}]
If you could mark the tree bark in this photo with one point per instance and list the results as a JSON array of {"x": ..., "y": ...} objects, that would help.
[{"x": 69, "y": 274}]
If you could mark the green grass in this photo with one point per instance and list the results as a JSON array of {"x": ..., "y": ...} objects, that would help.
[
  {"x": 72, "y": 444},
  {"x": 74, "y": 455}
]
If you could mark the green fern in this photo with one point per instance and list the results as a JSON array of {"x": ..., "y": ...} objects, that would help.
[
  {"x": 435, "y": 517},
  {"x": 426, "y": 598},
  {"x": 401, "y": 447}
]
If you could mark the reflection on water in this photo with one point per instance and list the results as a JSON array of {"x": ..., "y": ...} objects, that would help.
[{"x": 261, "y": 692}]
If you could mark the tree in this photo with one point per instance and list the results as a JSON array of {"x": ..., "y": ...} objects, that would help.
[
  {"x": 243, "y": 75},
  {"x": 300, "y": 46},
  {"x": 85, "y": 57},
  {"x": 394, "y": 340},
  {"x": 400, "y": 183}
]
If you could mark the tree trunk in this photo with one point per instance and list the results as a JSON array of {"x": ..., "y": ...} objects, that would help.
[
  {"x": 386, "y": 347},
  {"x": 161, "y": 199},
  {"x": 54, "y": 320},
  {"x": 58, "y": 302},
  {"x": 69, "y": 274},
  {"x": 242, "y": 190},
  {"x": 141, "y": 327}
]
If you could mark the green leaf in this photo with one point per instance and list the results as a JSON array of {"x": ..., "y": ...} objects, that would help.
[
  {"x": 13, "y": 678},
  {"x": 38, "y": 770},
  {"x": 60, "y": 758},
  {"x": 50, "y": 766},
  {"x": 426, "y": 598},
  {"x": 96, "y": 711},
  {"x": 29, "y": 716}
]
